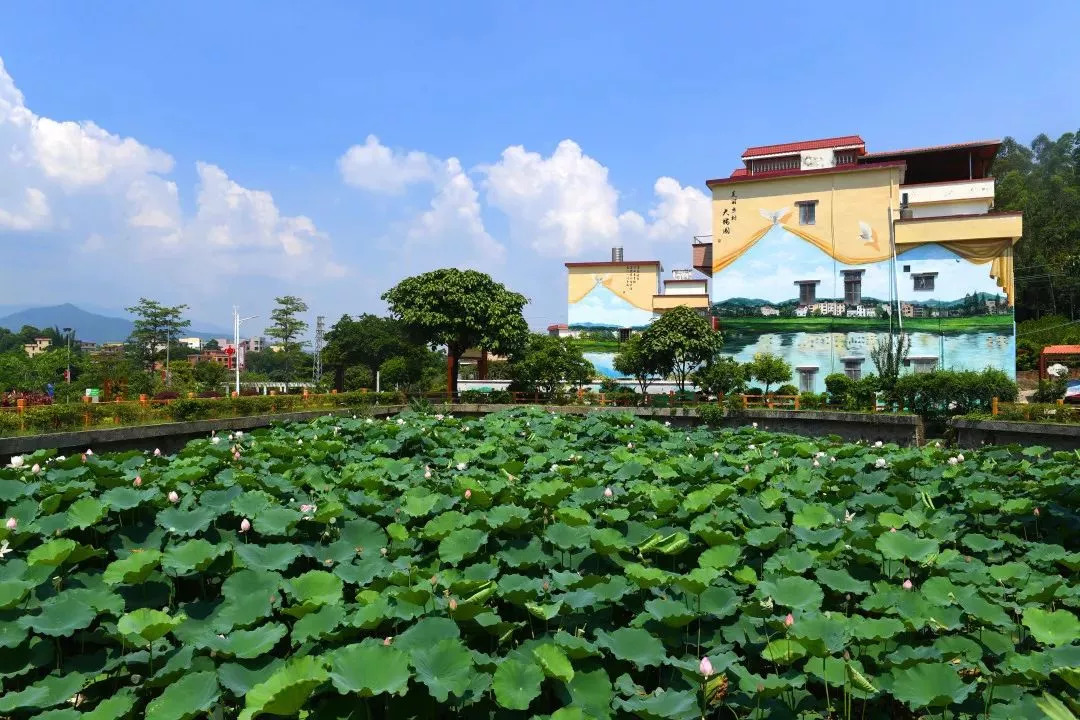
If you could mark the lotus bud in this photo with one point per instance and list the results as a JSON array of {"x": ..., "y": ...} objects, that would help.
[
  {"x": 746, "y": 468},
  {"x": 892, "y": 529},
  {"x": 608, "y": 492},
  {"x": 760, "y": 688},
  {"x": 716, "y": 453},
  {"x": 11, "y": 523},
  {"x": 629, "y": 446},
  {"x": 817, "y": 464},
  {"x": 235, "y": 455},
  {"x": 752, "y": 446},
  {"x": 382, "y": 551},
  {"x": 705, "y": 667},
  {"x": 137, "y": 482},
  {"x": 879, "y": 463},
  {"x": 960, "y": 457},
  {"x": 546, "y": 586},
  {"x": 453, "y": 604},
  {"x": 84, "y": 457},
  {"x": 877, "y": 443},
  {"x": 434, "y": 580},
  {"x": 789, "y": 620},
  {"x": 173, "y": 497},
  {"x": 157, "y": 452},
  {"x": 245, "y": 525},
  {"x": 37, "y": 468},
  {"x": 468, "y": 494},
  {"x": 387, "y": 640},
  {"x": 89, "y": 451},
  {"x": 1036, "y": 509},
  {"x": 427, "y": 473},
  {"x": 908, "y": 585},
  {"x": 847, "y": 655}
]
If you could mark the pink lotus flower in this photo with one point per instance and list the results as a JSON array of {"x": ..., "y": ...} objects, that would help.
[
  {"x": 892, "y": 529},
  {"x": 173, "y": 497},
  {"x": 235, "y": 455},
  {"x": 157, "y": 452},
  {"x": 705, "y": 667},
  {"x": 84, "y": 457},
  {"x": 453, "y": 604},
  {"x": 468, "y": 494},
  {"x": 137, "y": 482},
  {"x": 789, "y": 620},
  {"x": 307, "y": 508},
  {"x": 608, "y": 493},
  {"x": 1036, "y": 509},
  {"x": 37, "y": 468},
  {"x": 387, "y": 640},
  {"x": 11, "y": 523},
  {"x": 908, "y": 585},
  {"x": 245, "y": 525}
]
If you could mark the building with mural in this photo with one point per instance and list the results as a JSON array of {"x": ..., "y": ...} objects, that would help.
[
  {"x": 819, "y": 249},
  {"x": 607, "y": 301}
]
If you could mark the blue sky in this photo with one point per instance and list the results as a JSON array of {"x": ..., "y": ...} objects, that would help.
[{"x": 219, "y": 153}]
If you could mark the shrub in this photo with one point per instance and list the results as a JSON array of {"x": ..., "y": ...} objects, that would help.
[
  {"x": 769, "y": 369},
  {"x": 9, "y": 423},
  {"x": 609, "y": 385},
  {"x": 787, "y": 390},
  {"x": 812, "y": 401},
  {"x": 938, "y": 395},
  {"x": 839, "y": 387},
  {"x": 1049, "y": 391},
  {"x": 723, "y": 376},
  {"x": 712, "y": 415},
  {"x": 166, "y": 395},
  {"x": 188, "y": 409}
]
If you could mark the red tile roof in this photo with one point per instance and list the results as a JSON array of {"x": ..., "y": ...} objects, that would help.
[
  {"x": 794, "y": 147},
  {"x": 1061, "y": 350},
  {"x": 797, "y": 172}
]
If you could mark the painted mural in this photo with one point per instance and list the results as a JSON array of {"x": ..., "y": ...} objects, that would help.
[{"x": 823, "y": 305}]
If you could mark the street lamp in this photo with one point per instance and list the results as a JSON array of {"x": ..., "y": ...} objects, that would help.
[
  {"x": 236, "y": 342},
  {"x": 69, "y": 332}
]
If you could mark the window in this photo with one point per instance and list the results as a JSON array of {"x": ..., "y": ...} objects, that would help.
[
  {"x": 807, "y": 212},
  {"x": 907, "y": 268},
  {"x": 773, "y": 164},
  {"x": 853, "y": 287},
  {"x": 923, "y": 364},
  {"x": 807, "y": 291},
  {"x": 844, "y": 157},
  {"x": 624, "y": 334},
  {"x": 853, "y": 368},
  {"x": 806, "y": 378},
  {"x": 924, "y": 282}
]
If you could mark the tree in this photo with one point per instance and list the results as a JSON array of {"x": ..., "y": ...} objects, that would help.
[
  {"x": 211, "y": 344},
  {"x": 548, "y": 362},
  {"x": 459, "y": 309},
  {"x": 723, "y": 376},
  {"x": 287, "y": 328},
  {"x": 633, "y": 362},
  {"x": 769, "y": 369},
  {"x": 358, "y": 377},
  {"x": 679, "y": 341},
  {"x": 368, "y": 340},
  {"x": 888, "y": 356},
  {"x": 210, "y": 375},
  {"x": 153, "y": 330}
]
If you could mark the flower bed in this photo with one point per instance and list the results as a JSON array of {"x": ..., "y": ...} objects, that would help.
[{"x": 527, "y": 563}]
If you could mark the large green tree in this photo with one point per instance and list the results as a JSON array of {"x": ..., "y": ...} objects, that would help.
[
  {"x": 633, "y": 362},
  {"x": 1043, "y": 181},
  {"x": 769, "y": 369},
  {"x": 287, "y": 327},
  {"x": 678, "y": 342},
  {"x": 460, "y": 309},
  {"x": 547, "y": 363},
  {"x": 154, "y": 328}
]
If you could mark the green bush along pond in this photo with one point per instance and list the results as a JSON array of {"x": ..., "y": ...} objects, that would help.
[{"x": 533, "y": 565}]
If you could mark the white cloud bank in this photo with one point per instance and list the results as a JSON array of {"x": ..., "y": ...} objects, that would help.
[
  {"x": 112, "y": 198},
  {"x": 562, "y": 205}
]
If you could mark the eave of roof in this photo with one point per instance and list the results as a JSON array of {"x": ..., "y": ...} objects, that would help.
[{"x": 800, "y": 173}]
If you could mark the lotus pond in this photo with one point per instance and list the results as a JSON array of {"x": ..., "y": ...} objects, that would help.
[{"x": 532, "y": 565}]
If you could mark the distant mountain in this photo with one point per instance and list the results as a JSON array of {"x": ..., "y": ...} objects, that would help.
[
  {"x": 88, "y": 326},
  {"x": 744, "y": 302}
]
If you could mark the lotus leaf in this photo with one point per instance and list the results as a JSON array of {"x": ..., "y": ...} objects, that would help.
[
  {"x": 929, "y": 685},
  {"x": 190, "y": 697},
  {"x": 516, "y": 683},
  {"x": 286, "y": 690},
  {"x": 369, "y": 668}
]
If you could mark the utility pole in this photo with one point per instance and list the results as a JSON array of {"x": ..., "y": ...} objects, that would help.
[
  {"x": 236, "y": 342},
  {"x": 320, "y": 337}
]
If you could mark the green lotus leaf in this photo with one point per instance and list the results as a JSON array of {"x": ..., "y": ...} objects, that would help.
[
  {"x": 114, "y": 707},
  {"x": 929, "y": 685},
  {"x": 664, "y": 704},
  {"x": 144, "y": 626},
  {"x": 1059, "y": 627},
  {"x": 185, "y": 522},
  {"x": 240, "y": 677},
  {"x": 443, "y": 524},
  {"x": 85, "y": 512},
  {"x": 248, "y": 644},
  {"x": 189, "y": 697},
  {"x": 133, "y": 569},
  {"x": 508, "y": 516},
  {"x": 312, "y": 590},
  {"x": 12, "y": 592},
  {"x": 784, "y": 651},
  {"x": 45, "y": 693},
  {"x": 902, "y": 545},
  {"x": 554, "y": 662},
  {"x": 126, "y": 498},
  {"x": 318, "y": 625},
  {"x": 446, "y": 668},
  {"x": 720, "y": 557},
  {"x": 544, "y": 611},
  {"x": 875, "y": 628},
  {"x": 981, "y": 609},
  {"x": 633, "y": 645},
  {"x": 592, "y": 692},
  {"x": 841, "y": 582},
  {"x": 567, "y": 537},
  {"x": 460, "y": 544},
  {"x": 608, "y": 541},
  {"x": 273, "y": 556},
  {"x": 795, "y": 592},
  {"x": 982, "y": 543},
  {"x": 516, "y": 683},
  {"x": 670, "y": 612},
  {"x": 191, "y": 556},
  {"x": 646, "y": 577},
  {"x": 369, "y": 668},
  {"x": 697, "y": 580},
  {"x": 52, "y": 553},
  {"x": 1010, "y": 571},
  {"x": 812, "y": 516},
  {"x": 822, "y": 634},
  {"x": 426, "y": 633},
  {"x": 286, "y": 690},
  {"x": 763, "y": 536},
  {"x": 60, "y": 616},
  {"x": 573, "y": 516}
]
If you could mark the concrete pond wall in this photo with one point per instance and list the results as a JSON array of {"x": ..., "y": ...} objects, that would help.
[
  {"x": 976, "y": 433},
  {"x": 170, "y": 437}
]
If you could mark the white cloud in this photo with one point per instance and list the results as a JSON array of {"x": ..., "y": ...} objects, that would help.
[
  {"x": 112, "y": 197},
  {"x": 564, "y": 205},
  {"x": 454, "y": 217},
  {"x": 373, "y": 166}
]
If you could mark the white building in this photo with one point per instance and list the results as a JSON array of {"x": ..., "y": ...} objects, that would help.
[
  {"x": 802, "y": 311},
  {"x": 194, "y": 343},
  {"x": 828, "y": 307},
  {"x": 862, "y": 311},
  {"x": 769, "y": 311}
]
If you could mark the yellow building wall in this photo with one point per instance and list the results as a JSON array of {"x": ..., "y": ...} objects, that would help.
[
  {"x": 852, "y": 214},
  {"x": 634, "y": 283}
]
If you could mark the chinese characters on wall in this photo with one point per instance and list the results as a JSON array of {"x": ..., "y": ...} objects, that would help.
[{"x": 727, "y": 216}]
